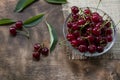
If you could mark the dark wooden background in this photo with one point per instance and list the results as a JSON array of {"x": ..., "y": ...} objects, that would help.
[{"x": 16, "y": 52}]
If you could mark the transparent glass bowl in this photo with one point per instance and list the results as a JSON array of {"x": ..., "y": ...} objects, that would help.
[{"x": 106, "y": 48}]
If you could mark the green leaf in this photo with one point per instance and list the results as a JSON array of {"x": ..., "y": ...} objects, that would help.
[
  {"x": 53, "y": 37},
  {"x": 6, "y": 21},
  {"x": 23, "y": 4},
  {"x": 57, "y": 1},
  {"x": 33, "y": 21}
]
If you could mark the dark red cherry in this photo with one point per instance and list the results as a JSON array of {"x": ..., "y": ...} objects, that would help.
[
  {"x": 69, "y": 24},
  {"x": 98, "y": 25},
  {"x": 92, "y": 48},
  {"x": 109, "y": 38},
  {"x": 19, "y": 24},
  {"x": 75, "y": 17},
  {"x": 109, "y": 31},
  {"x": 13, "y": 31},
  {"x": 81, "y": 22},
  {"x": 108, "y": 24},
  {"x": 36, "y": 56},
  {"x": 91, "y": 38},
  {"x": 76, "y": 33},
  {"x": 100, "y": 49},
  {"x": 70, "y": 37},
  {"x": 45, "y": 51},
  {"x": 95, "y": 18},
  {"x": 95, "y": 13},
  {"x": 74, "y": 9},
  {"x": 75, "y": 26},
  {"x": 96, "y": 31},
  {"x": 82, "y": 48},
  {"x": 81, "y": 41},
  {"x": 89, "y": 30},
  {"x": 87, "y": 11},
  {"x": 37, "y": 47},
  {"x": 74, "y": 43}
]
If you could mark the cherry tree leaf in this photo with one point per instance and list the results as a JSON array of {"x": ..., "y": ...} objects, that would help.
[
  {"x": 22, "y": 4},
  {"x": 33, "y": 21},
  {"x": 57, "y": 1},
  {"x": 6, "y": 21},
  {"x": 53, "y": 37}
]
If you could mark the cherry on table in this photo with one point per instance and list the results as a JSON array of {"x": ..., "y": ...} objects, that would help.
[
  {"x": 45, "y": 51},
  {"x": 37, "y": 47},
  {"x": 19, "y": 24},
  {"x": 13, "y": 31},
  {"x": 81, "y": 22},
  {"x": 36, "y": 56},
  {"x": 75, "y": 26}
]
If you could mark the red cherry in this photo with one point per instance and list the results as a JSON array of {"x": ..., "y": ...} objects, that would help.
[
  {"x": 45, "y": 51},
  {"x": 81, "y": 41},
  {"x": 98, "y": 25},
  {"x": 109, "y": 38},
  {"x": 95, "y": 13},
  {"x": 69, "y": 24},
  {"x": 75, "y": 27},
  {"x": 109, "y": 31},
  {"x": 36, "y": 56},
  {"x": 90, "y": 38},
  {"x": 19, "y": 24},
  {"x": 92, "y": 48},
  {"x": 74, "y": 9},
  {"x": 98, "y": 39},
  {"x": 75, "y": 17},
  {"x": 88, "y": 18},
  {"x": 89, "y": 30},
  {"x": 70, "y": 37},
  {"x": 100, "y": 49},
  {"x": 13, "y": 31},
  {"x": 87, "y": 11},
  {"x": 74, "y": 43},
  {"x": 82, "y": 48},
  {"x": 96, "y": 31},
  {"x": 76, "y": 33},
  {"x": 95, "y": 18},
  {"x": 81, "y": 22},
  {"x": 108, "y": 24},
  {"x": 37, "y": 47}
]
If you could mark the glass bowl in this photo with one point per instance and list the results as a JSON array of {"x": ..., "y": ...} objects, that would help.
[{"x": 106, "y": 48}]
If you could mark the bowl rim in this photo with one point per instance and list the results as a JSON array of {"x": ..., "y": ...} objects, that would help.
[{"x": 94, "y": 54}]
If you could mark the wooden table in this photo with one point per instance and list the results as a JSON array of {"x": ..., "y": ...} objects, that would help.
[{"x": 16, "y": 52}]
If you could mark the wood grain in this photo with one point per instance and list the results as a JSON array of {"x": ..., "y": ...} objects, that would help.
[{"x": 15, "y": 52}]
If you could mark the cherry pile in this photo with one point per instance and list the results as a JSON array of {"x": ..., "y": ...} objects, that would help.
[
  {"x": 39, "y": 50},
  {"x": 18, "y": 26},
  {"x": 88, "y": 31}
]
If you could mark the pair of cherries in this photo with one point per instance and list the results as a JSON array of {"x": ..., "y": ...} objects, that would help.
[{"x": 13, "y": 29}]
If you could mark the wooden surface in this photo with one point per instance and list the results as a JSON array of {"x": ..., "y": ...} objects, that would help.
[{"x": 16, "y": 52}]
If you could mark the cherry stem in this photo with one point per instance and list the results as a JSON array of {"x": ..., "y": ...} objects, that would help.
[
  {"x": 117, "y": 23},
  {"x": 81, "y": 11},
  {"x": 21, "y": 32},
  {"x": 62, "y": 42},
  {"x": 98, "y": 4},
  {"x": 103, "y": 24}
]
